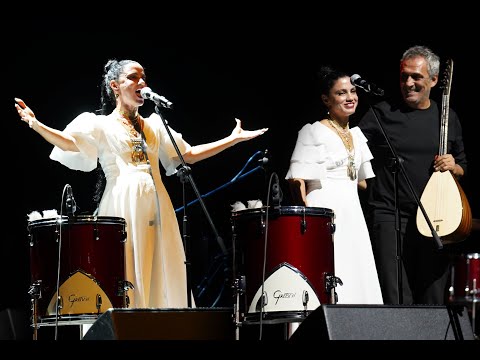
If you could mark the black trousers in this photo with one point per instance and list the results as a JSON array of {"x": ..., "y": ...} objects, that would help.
[{"x": 425, "y": 269}]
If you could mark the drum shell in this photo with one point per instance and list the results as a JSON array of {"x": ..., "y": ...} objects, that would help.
[
  {"x": 298, "y": 236},
  {"x": 94, "y": 246}
]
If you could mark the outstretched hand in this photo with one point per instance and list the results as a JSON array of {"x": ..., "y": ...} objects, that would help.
[
  {"x": 26, "y": 114},
  {"x": 242, "y": 135}
]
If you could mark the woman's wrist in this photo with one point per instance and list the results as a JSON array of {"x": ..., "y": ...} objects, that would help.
[{"x": 33, "y": 123}]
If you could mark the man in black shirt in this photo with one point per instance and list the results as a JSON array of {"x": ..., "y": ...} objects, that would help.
[{"x": 412, "y": 125}]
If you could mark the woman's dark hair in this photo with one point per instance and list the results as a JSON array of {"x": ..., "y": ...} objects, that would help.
[
  {"x": 328, "y": 76},
  {"x": 112, "y": 71}
]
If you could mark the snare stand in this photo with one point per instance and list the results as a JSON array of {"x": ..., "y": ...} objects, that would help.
[
  {"x": 239, "y": 290},
  {"x": 36, "y": 293}
]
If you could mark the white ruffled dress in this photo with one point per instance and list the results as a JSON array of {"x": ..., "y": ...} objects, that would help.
[
  {"x": 320, "y": 158},
  {"x": 154, "y": 253}
]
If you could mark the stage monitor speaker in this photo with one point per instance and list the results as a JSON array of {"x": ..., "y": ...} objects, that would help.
[
  {"x": 163, "y": 324},
  {"x": 385, "y": 322}
]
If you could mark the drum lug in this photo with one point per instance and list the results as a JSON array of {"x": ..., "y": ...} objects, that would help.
[
  {"x": 303, "y": 226},
  {"x": 99, "y": 302},
  {"x": 305, "y": 299},
  {"x": 59, "y": 304},
  {"x": 262, "y": 226},
  {"x": 332, "y": 227},
  {"x": 262, "y": 302}
]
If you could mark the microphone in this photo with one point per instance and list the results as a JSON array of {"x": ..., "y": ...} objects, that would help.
[
  {"x": 70, "y": 202},
  {"x": 159, "y": 100},
  {"x": 357, "y": 80}
]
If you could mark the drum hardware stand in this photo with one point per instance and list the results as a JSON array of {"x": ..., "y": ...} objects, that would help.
[
  {"x": 123, "y": 287},
  {"x": 451, "y": 288},
  {"x": 455, "y": 322},
  {"x": 35, "y": 292},
  {"x": 331, "y": 282},
  {"x": 239, "y": 290},
  {"x": 475, "y": 302}
]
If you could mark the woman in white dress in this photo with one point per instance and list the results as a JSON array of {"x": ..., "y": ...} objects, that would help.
[
  {"x": 129, "y": 149},
  {"x": 328, "y": 165}
]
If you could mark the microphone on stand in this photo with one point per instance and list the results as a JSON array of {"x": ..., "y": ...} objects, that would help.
[
  {"x": 159, "y": 100},
  {"x": 70, "y": 202},
  {"x": 357, "y": 80}
]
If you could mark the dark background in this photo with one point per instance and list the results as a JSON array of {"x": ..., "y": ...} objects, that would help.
[{"x": 265, "y": 78}]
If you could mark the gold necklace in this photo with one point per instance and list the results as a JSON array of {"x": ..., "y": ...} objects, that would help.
[
  {"x": 130, "y": 128},
  {"x": 344, "y": 130},
  {"x": 137, "y": 151},
  {"x": 345, "y": 136},
  {"x": 129, "y": 124}
]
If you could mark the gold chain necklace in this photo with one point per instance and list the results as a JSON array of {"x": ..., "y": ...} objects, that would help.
[
  {"x": 343, "y": 133},
  {"x": 130, "y": 126},
  {"x": 345, "y": 136},
  {"x": 137, "y": 151}
]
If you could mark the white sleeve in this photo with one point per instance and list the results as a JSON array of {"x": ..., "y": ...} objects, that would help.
[{"x": 84, "y": 131}]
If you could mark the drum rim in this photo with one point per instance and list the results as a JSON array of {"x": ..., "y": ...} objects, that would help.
[
  {"x": 80, "y": 219},
  {"x": 473, "y": 255},
  {"x": 286, "y": 210},
  {"x": 276, "y": 317}
]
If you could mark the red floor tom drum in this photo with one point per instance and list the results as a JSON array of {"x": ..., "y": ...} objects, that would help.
[
  {"x": 295, "y": 244},
  {"x": 90, "y": 274}
]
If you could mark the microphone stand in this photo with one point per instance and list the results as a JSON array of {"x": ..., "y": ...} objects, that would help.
[
  {"x": 185, "y": 175},
  {"x": 207, "y": 279},
  {"x": 396, "y": 165}
]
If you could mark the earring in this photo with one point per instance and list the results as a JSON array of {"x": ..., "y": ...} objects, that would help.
[{"x": 116, "y": 96}]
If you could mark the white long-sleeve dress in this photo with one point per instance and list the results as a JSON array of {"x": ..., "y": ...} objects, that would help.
[
  {"x": 154, "y": 253},
  {"x": 320, "y": 158}
]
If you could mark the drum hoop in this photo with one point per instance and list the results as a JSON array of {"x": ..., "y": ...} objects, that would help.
[
  {"x": 81, "y": 219},
  {"x": 473, "y": 256},
  {"x": 286, "y": 210}
]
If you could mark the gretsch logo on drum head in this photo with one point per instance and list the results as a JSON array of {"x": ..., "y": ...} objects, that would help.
[
  {"x": 72, "y": 299},
  {"x": 279, "y": 295}
]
